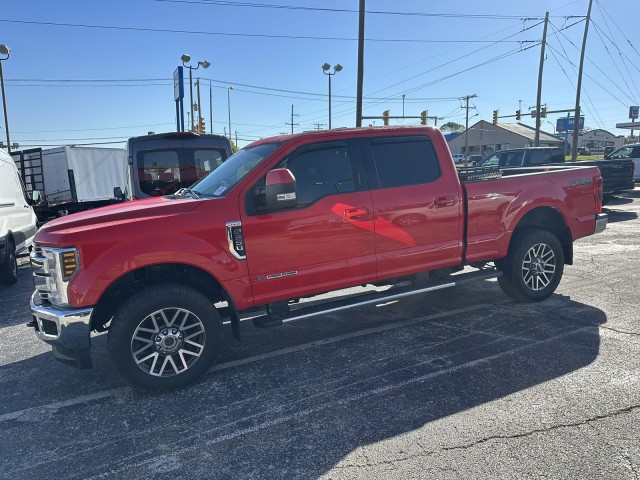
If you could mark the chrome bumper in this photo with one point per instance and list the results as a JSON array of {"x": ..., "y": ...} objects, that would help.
[
  {"x": 601, "y": 222},
  {"x": 67, "y": 331}
]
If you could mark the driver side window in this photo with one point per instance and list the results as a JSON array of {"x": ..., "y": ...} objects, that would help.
[{"x": 321, "y": 172}]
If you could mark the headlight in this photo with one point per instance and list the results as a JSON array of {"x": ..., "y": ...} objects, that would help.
[{"x": 60, "y": 266}]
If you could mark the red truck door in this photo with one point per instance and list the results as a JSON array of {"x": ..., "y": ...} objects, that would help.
[
  {"x": 324, "y": 243},
  {"x": 417, "y": 204}
]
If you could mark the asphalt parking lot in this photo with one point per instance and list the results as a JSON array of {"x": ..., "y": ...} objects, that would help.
[{"x": 461, "y": 383}]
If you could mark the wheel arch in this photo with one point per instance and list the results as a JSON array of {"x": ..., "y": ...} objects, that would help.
[
  {"x": 551, "y": 220},
  {"x": 136, "y": 280}
]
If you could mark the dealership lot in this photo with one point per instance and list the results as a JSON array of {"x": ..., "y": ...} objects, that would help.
[{"x": 462, "y": 383}]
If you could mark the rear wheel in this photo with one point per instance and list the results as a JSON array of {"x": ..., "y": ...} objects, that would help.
[
  {"x": 9, "y": 268},
  {"x": 534, "y": 266},
  {"x": 164, "y": 337}
]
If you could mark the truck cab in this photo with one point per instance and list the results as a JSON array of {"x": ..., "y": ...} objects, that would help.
[{"x": 162, "y": 164}]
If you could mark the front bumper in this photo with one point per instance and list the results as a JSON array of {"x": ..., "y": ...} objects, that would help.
[
  {"x": 66, "y": 330},
  {"x": 601, "y": 222}
]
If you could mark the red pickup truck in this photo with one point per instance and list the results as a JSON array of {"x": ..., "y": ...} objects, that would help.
[{"x": 291, "y": 217}]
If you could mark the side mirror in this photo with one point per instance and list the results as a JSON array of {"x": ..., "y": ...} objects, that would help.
[
  {"x": 35, "y": 198},
  {"x": 117, "y": 194},
  {"x": 280, "y": 189}
]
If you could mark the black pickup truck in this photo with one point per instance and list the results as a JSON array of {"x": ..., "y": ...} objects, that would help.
[{"x": 617, "y": 174}]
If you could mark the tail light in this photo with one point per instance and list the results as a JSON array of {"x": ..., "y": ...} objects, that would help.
[{"x": 598, "y": 193}]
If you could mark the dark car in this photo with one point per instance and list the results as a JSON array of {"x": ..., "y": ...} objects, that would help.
[
  {"x": 617, "y": 172},
  {"x": 523, "y": 157}
]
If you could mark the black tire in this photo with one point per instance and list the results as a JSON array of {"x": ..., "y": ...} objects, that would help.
[
  {"x": 9, "y": 268},
  {"x": 534, "y": 267},
  {"x": 164, "y": 355}
]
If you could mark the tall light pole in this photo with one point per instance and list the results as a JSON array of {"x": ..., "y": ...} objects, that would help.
[
  {"x": 325, "y": 70},
  {"x": 4, "y": 52},
  {"x": 229, "y": 108},
  {"x": 186, "y": 59}
]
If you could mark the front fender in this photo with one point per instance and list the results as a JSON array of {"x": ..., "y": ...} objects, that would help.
[{"x": 95, "y": 276}]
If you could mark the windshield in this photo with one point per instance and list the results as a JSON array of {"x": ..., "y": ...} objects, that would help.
[{"x": 222, "y": 179}]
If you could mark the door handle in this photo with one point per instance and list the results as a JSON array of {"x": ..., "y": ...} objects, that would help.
[
  {"x": 447, "y": 201},
  {"x": 355, "y": 214}
]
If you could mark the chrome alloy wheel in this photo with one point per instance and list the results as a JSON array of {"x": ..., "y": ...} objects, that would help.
[
  {"x": 538, "y": 266},
  {"x": 168, "y": 342}
]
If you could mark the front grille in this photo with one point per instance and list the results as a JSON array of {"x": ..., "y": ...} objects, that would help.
[{"x": 40, "y": 272}]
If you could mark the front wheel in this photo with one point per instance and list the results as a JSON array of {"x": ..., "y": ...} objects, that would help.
[
  {"x": 9, "y": 268},
  {"x": 534, "y": 266},
  {"x": 164, "y": 337}
]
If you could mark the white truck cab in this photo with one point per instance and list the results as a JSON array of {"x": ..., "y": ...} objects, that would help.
[{"x": 17, "y": 220}]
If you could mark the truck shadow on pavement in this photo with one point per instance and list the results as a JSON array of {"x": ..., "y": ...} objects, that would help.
[
  {"x": 619, "y": 215},
  {"x": 301, "y": 400}
]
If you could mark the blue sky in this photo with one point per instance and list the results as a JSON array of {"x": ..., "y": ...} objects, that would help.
[{"x": 72, "y": 84}]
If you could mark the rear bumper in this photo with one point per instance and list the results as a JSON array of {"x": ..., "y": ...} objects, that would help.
[
  {"x": 601, "y": 222},
  {"x": 67, "y": 331}
]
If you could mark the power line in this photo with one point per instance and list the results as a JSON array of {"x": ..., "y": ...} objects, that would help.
[
  {"x": 344, "y": 10},
  {"x": 233, "y": 34}
]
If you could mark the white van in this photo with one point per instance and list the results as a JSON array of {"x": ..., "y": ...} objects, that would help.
[{"x": 17, "y": 220}]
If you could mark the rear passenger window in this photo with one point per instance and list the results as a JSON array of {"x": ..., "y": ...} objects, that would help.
[{"x": 404, "y": 161}]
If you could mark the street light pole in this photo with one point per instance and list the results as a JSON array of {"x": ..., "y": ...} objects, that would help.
[
  {"x": 4, "y": 50},
  {"x": 325, "y": 70},
  {"x": 229, "y": 108},
  {"x": 186, "y": 58}
]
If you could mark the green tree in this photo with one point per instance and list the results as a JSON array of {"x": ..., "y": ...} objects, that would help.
[{"x": 452, "y": 127}]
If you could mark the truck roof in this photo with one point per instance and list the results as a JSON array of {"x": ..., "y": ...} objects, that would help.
[{"x": 346, "y": 132}]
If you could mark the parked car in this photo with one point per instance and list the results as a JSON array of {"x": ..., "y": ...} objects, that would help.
[
  {"x": 18, "y": 222},
  {"x": 617, "y": 174},
  {"x": 584, "y": 151},
  {"x": 291, "y": 217},
  {"x": 631, "y": 152},
  {"x": 458, "y": 158}
]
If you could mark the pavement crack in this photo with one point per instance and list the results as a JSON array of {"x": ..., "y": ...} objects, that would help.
[
  {"x": 620, "y": 331},
  {"x": 550, "y": 428}
]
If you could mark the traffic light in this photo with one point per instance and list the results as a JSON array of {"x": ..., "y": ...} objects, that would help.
[
  {"x": 518, "y": 116},
  {"x": 544, "y": 112},
  {"x": 201, "y": 126},
  {"x": 423, "y": 117},
  {"x": 385, "y": 117},
  {"x": 495, "y": 117}
]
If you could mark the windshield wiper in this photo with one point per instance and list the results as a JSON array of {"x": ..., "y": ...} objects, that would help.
[{"x": 184, "y": 191}]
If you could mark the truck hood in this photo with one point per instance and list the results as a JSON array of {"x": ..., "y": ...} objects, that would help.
[{"x": 112, "y": 217}]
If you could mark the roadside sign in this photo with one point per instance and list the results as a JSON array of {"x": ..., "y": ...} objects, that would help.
[
  {"x": 633, "y": 112},
  {"x": 561, "y": 124},
  {"x": 178, "y": 84}
]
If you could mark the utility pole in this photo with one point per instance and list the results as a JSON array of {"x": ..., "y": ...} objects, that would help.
[
  {"x": 576, "y": 120},
  {"x": 210, "y": 108},
  {"x": 539, "y": 98},
  {"x": 199, "y": 110},
  {"x": 318, "y": 125},
  {"x": 466, "y": 125},
  {"x": 292, "y": 124},
  {"x": 360, "y": 64}
]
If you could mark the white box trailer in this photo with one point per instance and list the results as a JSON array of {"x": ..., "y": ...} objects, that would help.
[{"x": 71, "y": 178}]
